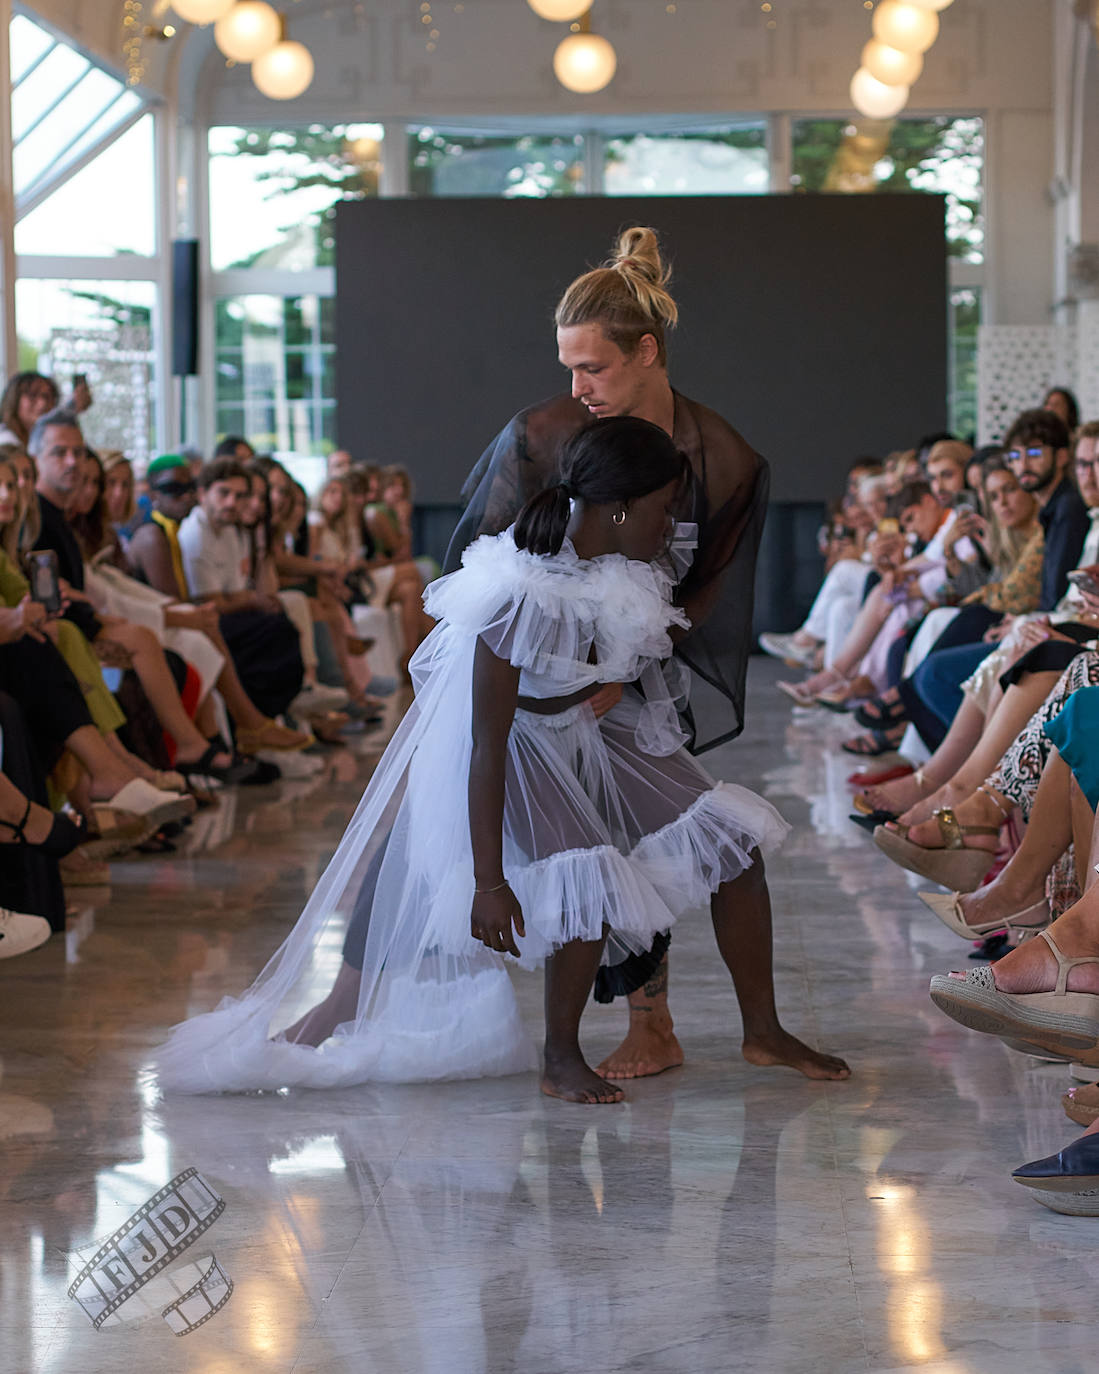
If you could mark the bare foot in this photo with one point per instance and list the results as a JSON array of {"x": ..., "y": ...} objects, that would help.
[
  {"x": 781, "y": 1049},
  {"x": 650, "y": 1047},
  {"x": 897, "y": 795},
  {"x": 573, "y": 1081}
]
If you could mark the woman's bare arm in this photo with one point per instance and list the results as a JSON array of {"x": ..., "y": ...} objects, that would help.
[{"x": 495, "y": 693}]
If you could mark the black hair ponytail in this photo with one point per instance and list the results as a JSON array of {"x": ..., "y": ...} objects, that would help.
[
  {"x": 542, "y": 522},
  {"x": 615, "y": 459}
]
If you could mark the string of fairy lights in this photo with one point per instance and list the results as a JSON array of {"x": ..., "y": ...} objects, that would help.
[{"x": 585, "y": 61}]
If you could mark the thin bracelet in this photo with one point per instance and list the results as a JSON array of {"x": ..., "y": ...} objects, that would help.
[{"x": 483, "y": 891}]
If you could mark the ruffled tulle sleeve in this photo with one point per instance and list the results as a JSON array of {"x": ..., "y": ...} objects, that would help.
[{"x": 569, "y": 620}]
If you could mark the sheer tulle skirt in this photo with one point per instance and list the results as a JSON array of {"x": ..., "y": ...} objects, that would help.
[{"x": 597, "y": 834}]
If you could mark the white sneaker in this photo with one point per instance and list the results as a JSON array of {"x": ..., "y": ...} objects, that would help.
[
  {"x": 787, "y": 648},
  {"x": 20, "y": 932},
  {"x": 317, "y": 699}
]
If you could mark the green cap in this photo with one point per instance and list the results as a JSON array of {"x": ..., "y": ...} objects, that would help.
[{"x": 165, "y": 462}]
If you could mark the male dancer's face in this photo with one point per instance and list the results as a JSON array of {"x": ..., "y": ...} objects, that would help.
[{"x": 606, "y": 380}]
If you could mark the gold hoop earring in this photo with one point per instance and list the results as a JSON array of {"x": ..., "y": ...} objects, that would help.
[{"x": 620, "y": 518}]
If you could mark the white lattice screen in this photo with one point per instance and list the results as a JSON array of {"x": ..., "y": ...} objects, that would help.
[{"x": 1018, "y": 363}]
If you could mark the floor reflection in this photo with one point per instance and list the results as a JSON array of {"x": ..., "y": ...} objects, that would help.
[{"x": 721, "y": 1219}]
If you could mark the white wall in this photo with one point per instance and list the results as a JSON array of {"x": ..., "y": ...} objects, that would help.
[{"x": 712, "y": 57}]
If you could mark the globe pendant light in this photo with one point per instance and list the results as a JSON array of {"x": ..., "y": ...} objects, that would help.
[
  {"x": 874, "y": 99},
  {"x": 202, "y": 11},
  {"x": 889, "y": 65},
  {"x": 584, "y": 62},
  {"x": 561, "y": 11},
  {"x": 904, "y": 26},
  {"x": 249, "y": 29},
  {"x": 284, "y": 71}
]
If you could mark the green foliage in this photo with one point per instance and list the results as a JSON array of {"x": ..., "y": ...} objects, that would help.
[
  {"x": 476, "y": 165},
  {"x": 942, "y": 153},
  {"x": 118, "y": 312}
]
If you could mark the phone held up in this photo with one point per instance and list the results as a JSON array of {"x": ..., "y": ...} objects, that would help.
[
  {"x": 45, "y": 587},
  {"x": 1086, "y": 579}
]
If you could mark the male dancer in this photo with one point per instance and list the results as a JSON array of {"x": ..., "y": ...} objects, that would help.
[{"x": 611, "y": 325}]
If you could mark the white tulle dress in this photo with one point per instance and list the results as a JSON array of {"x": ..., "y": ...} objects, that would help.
[{"x": 608, "y": 824}]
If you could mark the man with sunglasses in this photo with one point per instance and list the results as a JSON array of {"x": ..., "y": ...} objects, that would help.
[{"x": 154, "y": 548}]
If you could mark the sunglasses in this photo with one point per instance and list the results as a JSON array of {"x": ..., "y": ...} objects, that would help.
[{"x": 175, "y": 488}]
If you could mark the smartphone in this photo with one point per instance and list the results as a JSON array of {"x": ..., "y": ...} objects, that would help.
[
  {"x": 45, "y": 587},
  {"x": 964, "y": 506},
  {"x": 889, "y": 526},
  {"x": 80, "y": 379},
  {"x": 1087, "y": 579}
]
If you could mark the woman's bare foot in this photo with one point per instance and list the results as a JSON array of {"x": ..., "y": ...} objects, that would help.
[
  {"x": 781, "y": 1049},
  {"x": 339, "y": 1006},
  {"x": 976, "y": 809},
  {"x": 569, "y": 1078},
  {"x": 898, "y": 795},
  {"x": 650, "y": 1047}
]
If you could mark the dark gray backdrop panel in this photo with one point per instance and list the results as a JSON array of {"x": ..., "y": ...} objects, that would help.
[{"x": 815, "y": 324}]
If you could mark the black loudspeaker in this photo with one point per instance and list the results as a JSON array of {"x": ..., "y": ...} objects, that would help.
[{"x": 184, "y": 307}]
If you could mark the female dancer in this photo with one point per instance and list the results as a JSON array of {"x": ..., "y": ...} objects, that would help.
[
  {"x": 505, "y": 819},
  {"x": 612, "y": 338}
]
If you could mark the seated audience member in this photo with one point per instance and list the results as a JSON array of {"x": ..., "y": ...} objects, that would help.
[
  {"x": 26, "y": 398},
  {"x": 232, "y": 446},
  {"x": 1006, "y": 576},
  {"x": 398, "y": 496},
  {"x": 58, "y": 445},
  {"x": 1010, "y": 683},
  {"x": 213, "y": 561},
  {"x": 155, "y": 559},
  {"x": 120, "y": 501},
  {"x": 846, "y": 545},
  {"x": 907, "y": 587},
  {"x": 1037, "y": 452},
  {"x": 324, "y": 629},
  {"x": 32, "y": 840},
  {"x": 396, "y": 579},
  {"x": 1062, "y": 402},
  {"x": 339, "y": 463}
]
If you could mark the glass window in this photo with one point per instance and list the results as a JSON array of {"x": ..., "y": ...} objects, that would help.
[
  {"x": 275, "y": 381},
  {"x": 965, "y": 316},
  {"x": 105, "y": 330},
  {"x": 446, "y": 164},
  {"x": 943, "y": 154},
  {"x": 107, "y": 208},
  {"x": 273, "y": 191},
  {"x": 726, "y": 161},
  {"x": 61, "y": 104}
]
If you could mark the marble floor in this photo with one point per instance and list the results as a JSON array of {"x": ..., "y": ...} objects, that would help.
[{"x": 723, "y": 1218}]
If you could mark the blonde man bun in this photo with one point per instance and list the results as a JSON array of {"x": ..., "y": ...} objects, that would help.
[{"x": 628, "y": 296}]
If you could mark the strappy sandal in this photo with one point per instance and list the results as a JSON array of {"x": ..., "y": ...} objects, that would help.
[
  {"x": 64, "y": 834},
  {"x": 1061, "y": 1019},
  {"x": 888, "y": 713},
  {"x": 1023, "y": 925},
  {"x": 954, "y": 865},
  {"x": 877, "y": 742}
]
